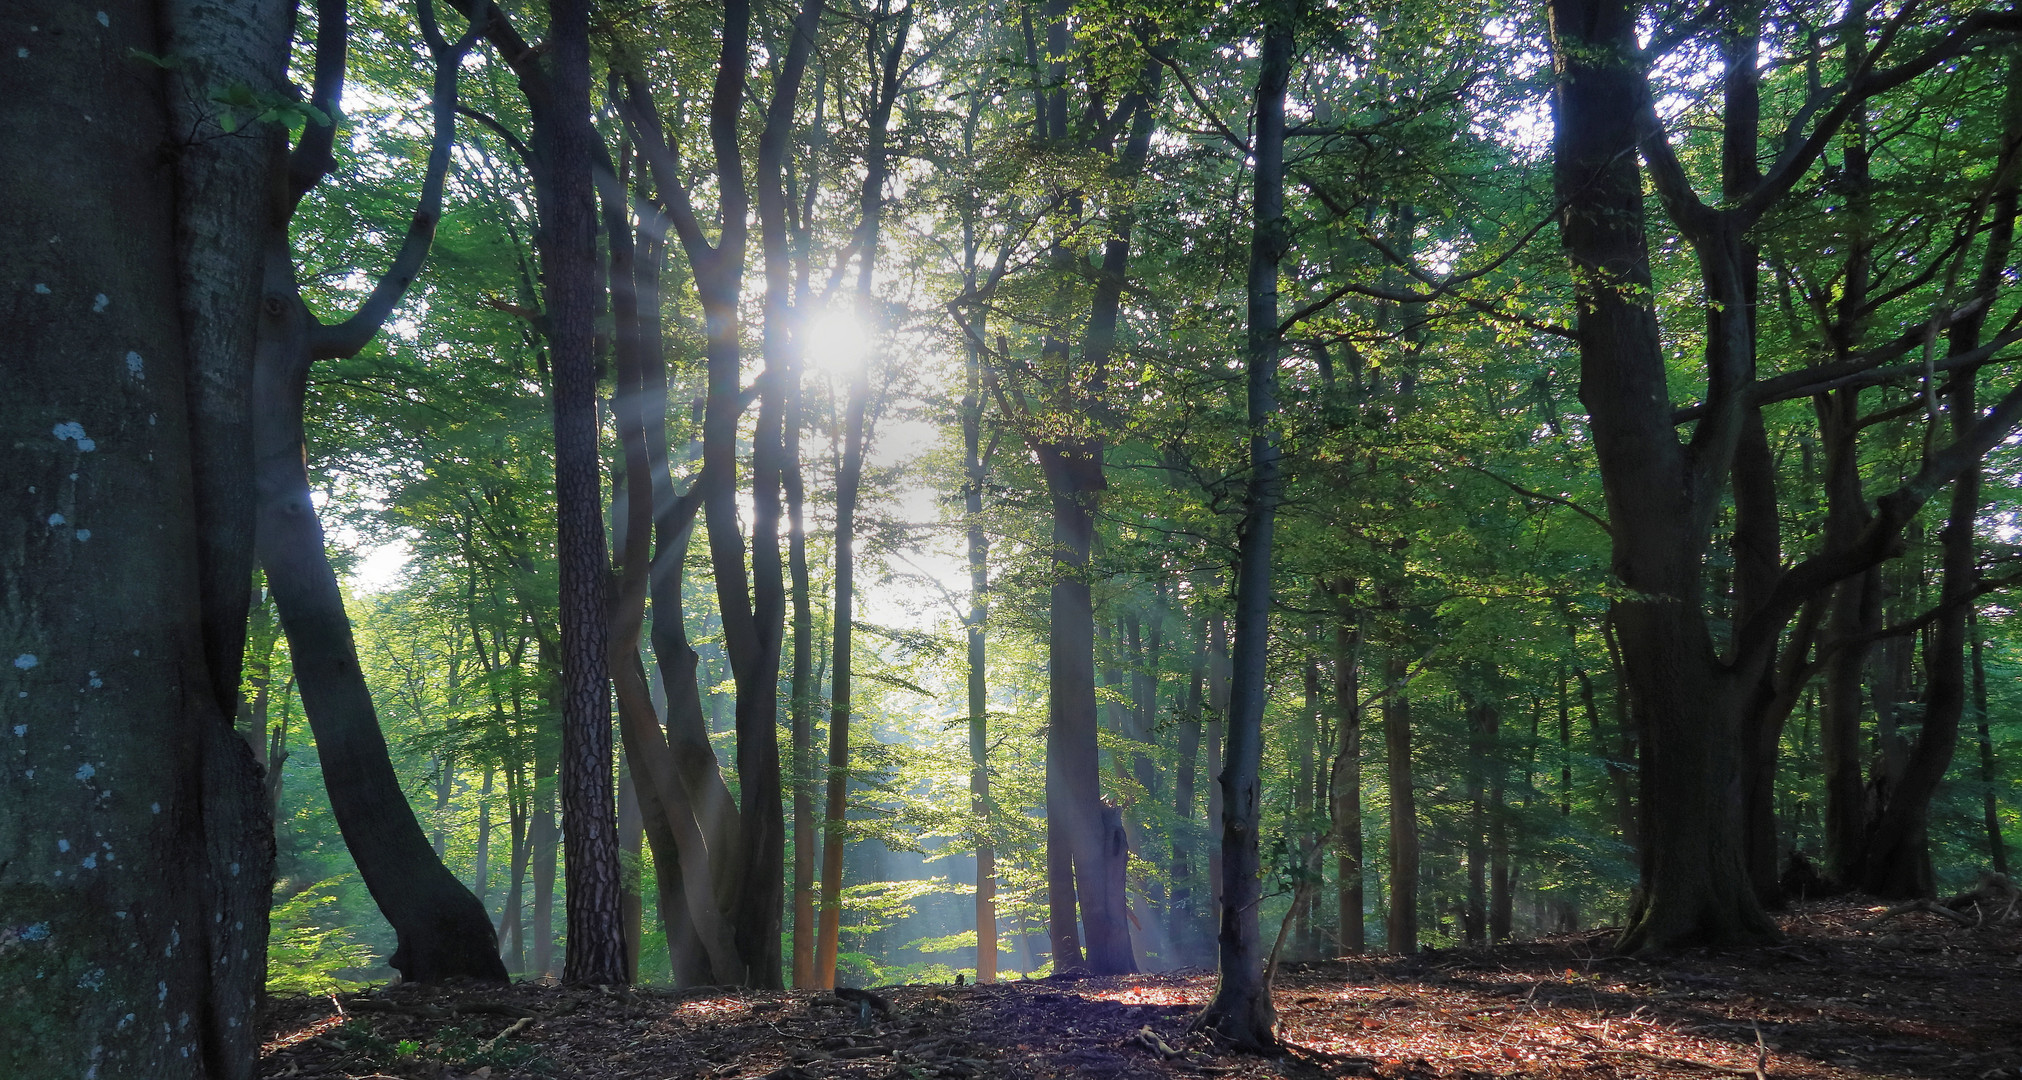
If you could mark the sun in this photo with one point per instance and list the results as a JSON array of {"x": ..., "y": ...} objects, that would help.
[{"x": 836, "y": 342}]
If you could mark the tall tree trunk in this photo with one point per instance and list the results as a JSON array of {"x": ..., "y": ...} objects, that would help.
[
  {"x": 975, "y": 475},
  {"x": 1997, "y": 851},
  {"x": 683, "y": 807},
  {"x": 1217, "y": 723},
  {"x": 1402, "y": 926},
  {"x": 849, "y": 478},
  {"x": 1242, "y": 1011},
  {"x": 1695, "y": 887},
  {"x": 545, "y": 839},
  {"x": 1305, "y": 748},
  {"x": 568, "y": 148},
  {"x": 1898, "y": 858},
  {"x": 1475, "y": 920},
  {"x": 480, "y": 873},
  {"x": 632, "y": 853},
  {"x": 1345, "y": 778},
  {"x": 123, "y": 640},
  {"x": 1181, "y": 920}
]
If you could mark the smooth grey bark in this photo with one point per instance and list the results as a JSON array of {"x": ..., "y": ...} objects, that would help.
[
  {"x": 1242, "y": 1011},
  {"x": 1344, "y": 789},
  {"x": 126, "y": 842}
]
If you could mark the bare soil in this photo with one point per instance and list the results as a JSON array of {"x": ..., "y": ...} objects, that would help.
[{"x": 1914, "y": 996}]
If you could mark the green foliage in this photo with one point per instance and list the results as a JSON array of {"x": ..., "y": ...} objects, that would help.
[{"x": 305, "y": 956}]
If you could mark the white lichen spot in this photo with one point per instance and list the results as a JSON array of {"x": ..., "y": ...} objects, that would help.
[
  {"x": 235, "y": 869},
  {"x": 22, "y": 52},
  {"x": 26, "y": 661},
  {"x": 84, "y": 534},
  {"x": 28, "y": 773},
  {"x": 91, "y": 980},
  {"x": 62, "y": 844},
  {"x": 55, "y": 520},
  {"x": 183, "y": 1022},
  {"x": 135, "y": 366},
  {"x": 103, "y": 20},
  {"x": 40, "y": 288},
  {"x": 86, "y": 771},
  {"x": 96, "y": 682},
  {"x": 123, "y": 1022},
  {"x": 156, "y": 807},
  {"x": 74, "y": 431},
  {"x": 161, "y": 992},
  {"x": 119, "y": 914},
  {"x": 20, "y": 731},
  {"x": 98, "y": 302},
  {"x": 90, "y": 861}
]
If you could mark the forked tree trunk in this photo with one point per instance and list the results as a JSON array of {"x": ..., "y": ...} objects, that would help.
[
  {"x": 1695, "y": 886},
  {"x": 441, "y": 929}
]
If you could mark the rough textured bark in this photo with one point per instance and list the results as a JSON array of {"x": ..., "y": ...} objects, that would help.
[
  {"x": 1242, "y": 1011},
  {"x": 124, "y": 837},
  {"x": 567, "y": 147}
]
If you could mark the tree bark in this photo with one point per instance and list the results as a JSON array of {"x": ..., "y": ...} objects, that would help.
[
  {"x": 1345, "y": 778},
  {"x": 1997, "y": 851},
  {"x": 1242, "y": 1011},
  {"x": 1402, "y": 925},
  {"x": 1695, "y": 887},
  {"x": 442, "y": 929},
  {"x": 161, "y": 823}
]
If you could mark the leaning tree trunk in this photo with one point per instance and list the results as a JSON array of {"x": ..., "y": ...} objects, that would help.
[
  {"x": 441, "y": 929},
  {"x": 1241, "y": 1010}
]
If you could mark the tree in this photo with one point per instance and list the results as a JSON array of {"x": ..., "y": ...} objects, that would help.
[
  {"x": 443, "y": 930},
  {"x": 142, "y": 852},
  {"x": 1241, "y": 1010}
]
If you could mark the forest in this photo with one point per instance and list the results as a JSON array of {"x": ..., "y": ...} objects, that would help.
[{"x": 753, "y": 502}]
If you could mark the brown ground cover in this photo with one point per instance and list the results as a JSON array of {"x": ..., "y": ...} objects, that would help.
[{"x": 1916, "y": 995}]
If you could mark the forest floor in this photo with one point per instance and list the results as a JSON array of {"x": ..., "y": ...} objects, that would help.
[{"x": 1916, "y": 995}]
